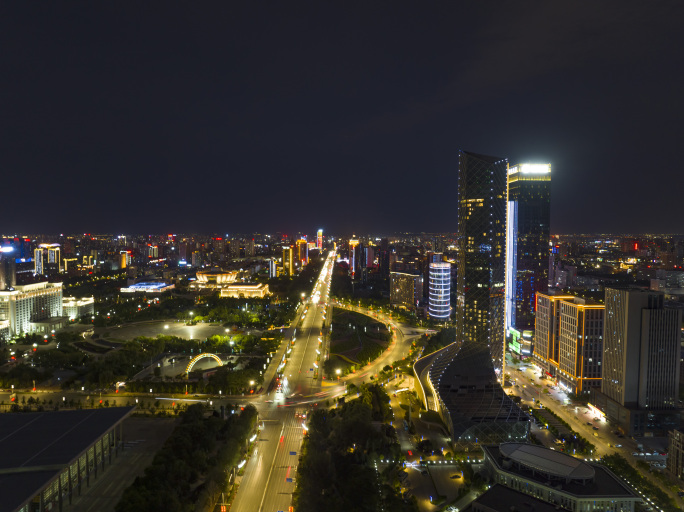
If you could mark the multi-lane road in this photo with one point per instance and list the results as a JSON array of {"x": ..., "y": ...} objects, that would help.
[{"x": 270, "y": 475}]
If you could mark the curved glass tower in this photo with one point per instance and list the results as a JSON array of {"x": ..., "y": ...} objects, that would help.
[{"x": 439, "y": 306}]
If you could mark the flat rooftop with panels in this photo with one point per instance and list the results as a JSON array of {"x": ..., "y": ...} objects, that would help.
[{"x": 38, "y": 447}]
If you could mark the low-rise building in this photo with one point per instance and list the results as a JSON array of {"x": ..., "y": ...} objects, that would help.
[
  {"x": 214, "y": 279},
  {"x": 246, "y": 291},
  {"x": 558, "y": 478},
  {"x": 74, "y": 308}
]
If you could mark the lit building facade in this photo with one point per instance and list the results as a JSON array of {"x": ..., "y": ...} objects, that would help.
[
  {"x": 527, "y": 241},
  {"x": 439, "y": 295},
  {"x": 547, "y": 332},
  {"x": 567, "y": 482},
  {"x": 302, "y": 252},
  {"x": 28, "y": 307},
  {"x": 288, "y": 260},
  {"x": 461, "y": 381},
  {"x": 74, "y": 308},
  {"x": 246, "y": 291},
  {"x": 405, "y": 289},
  {"x": 569, "y": 341},
  {"x": 353, "y": 256},
  {"x": 641, "y": 356},
  {"x": 481, "y": 257},
  {"x": 580, "y": 343},
  {"x": 215, "y": 279},
  {"x": 8, "y": 270},
  {"x": 38, "y": 261},
  {"x": 319, "y": 239}
]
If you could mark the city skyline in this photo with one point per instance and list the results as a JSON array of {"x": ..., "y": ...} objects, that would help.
[{"x": 161, "y": 124}]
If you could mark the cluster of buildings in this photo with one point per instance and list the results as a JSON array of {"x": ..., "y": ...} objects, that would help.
[
  {"x": 38, "y": 308},
  {"x": 600, "y": 316}
]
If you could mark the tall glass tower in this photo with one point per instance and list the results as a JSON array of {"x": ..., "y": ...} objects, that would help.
[
  {"x": 462, "y": 377},
  {"x": 481, "y": 253},
  {"x": 527, "y": 241}
]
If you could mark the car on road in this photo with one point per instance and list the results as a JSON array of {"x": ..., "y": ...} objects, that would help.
[
  {"x": 595, "y": 428},
  {"x": 590, "y": 423}
]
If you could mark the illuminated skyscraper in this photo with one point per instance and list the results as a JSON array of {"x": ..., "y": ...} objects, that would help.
[
  {"x": 439, "y": 297},
  {"x": 38, "y": 261},
  {"x": 288, "y": 260},
  {"x": 527, "y": 241},
  {"x": 482, "y": 253},
  {"x": 8, "y": 270},
  {"x": 319, "y": 239},
  {"x": 302, "y": 252},
  {"x": 353, "y": 247},
  {"x": 462, "y": 377},
  {"x": 54, "y": 255}
]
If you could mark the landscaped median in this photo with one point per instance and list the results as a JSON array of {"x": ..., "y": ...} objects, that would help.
[
  {"x": 337, "y": 468},
  {"x": 355, "y": 340}
]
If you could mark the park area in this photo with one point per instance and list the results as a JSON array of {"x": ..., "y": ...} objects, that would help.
[{"x": 356, "y": 339}]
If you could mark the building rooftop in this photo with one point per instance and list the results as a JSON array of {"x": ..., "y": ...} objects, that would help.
[
  {"x": 35, "y": 447},
  {"x": 547, "y": 461},
  {"x": 603, "y": 484},
  {"x": 499, "y": 497}
]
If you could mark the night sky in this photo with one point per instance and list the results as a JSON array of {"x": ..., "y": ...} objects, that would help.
[{"x": 251, "y": 116}]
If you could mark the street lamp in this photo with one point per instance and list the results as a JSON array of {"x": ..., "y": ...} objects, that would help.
[{"x": 338, "y": 371}]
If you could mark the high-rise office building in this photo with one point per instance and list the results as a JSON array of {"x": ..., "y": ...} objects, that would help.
[
  {"x": 288, "y": 260},
  {"x": 482, "y": 253},
  {"x": 249, "y": 248},
  {"x": 272, "y": 268},
  {"x": 319, "y": 239},
  {"x": 8, "y": 269},
  {"x": 302, "y": 252},
  {"x": 641, "y": 362},
  {"x": 234, "y": 248},
  {"x": 547, "y": 332},
  {"x": 38, "y": 267},
  {"x": 461, "y": 379},
  {"x": 54, "y": 257},
  {"x": 353, "y": 257},
  {"x": 641, "y": 355},
  {"x": 405, "y": 289},
  {"x": 581, "y": 345},
  {"x": 527, "y": 241},
  {"x": 439, "y": 296}
]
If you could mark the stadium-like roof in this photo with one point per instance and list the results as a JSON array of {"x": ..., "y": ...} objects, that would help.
[{"x": 547, "y": 461}]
